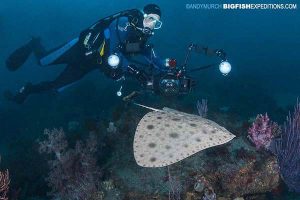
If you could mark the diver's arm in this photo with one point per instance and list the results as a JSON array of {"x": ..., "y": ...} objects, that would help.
[
  {"x": 118, "y": 32},
  {"x": 152, "y": 57},
  {"x": 116, "y": 36}
]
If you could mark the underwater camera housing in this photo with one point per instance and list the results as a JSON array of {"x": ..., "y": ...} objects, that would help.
[
  {"x": 173, "y": 82},
  {"x": 172, "y": 85},
  {"x": 177, "y": 81}
]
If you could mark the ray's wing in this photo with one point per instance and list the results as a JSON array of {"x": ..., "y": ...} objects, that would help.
[{"x": 164, "y": 138}]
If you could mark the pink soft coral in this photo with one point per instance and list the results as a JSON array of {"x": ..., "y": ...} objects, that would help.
[{"x": 262, "y": 131}]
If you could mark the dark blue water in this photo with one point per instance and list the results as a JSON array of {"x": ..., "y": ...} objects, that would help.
[{"x": 262, "y": 46}]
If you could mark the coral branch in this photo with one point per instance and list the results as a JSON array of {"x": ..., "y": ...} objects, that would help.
[{"x": 4, "y": 185}]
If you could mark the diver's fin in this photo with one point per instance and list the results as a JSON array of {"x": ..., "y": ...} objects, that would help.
[
  {"x": 20, "y": 55},
  {"x": 154, "y": 109}
]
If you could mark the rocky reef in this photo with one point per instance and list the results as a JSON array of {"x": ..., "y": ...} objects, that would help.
[{"x": 229, "y": 171}]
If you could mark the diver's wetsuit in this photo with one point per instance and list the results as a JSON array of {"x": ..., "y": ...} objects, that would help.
[
  {"x": 69, "y": 54},
  {"x": 90, "y": 51}
]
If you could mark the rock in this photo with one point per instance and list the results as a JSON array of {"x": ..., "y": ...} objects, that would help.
[
  {"x": 209, "y": 194},
  {"x": 223, "y": 198},
  {"x": 253, "y": 172},
  {"x": 190, "y": 196},
  {"x": 248, "y": 179},
  {"x": 241, "y": 172},
  {"x": 199, "y": 186},
  {"x": 99, "y": 195},
  {"x": 111, "y": 128}
]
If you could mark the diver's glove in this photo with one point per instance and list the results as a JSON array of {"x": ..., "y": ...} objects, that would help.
[{"x": 221, "y": 53}]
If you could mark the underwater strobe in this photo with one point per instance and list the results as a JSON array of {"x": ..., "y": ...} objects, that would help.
[
  {"x": 113, "y": 61},
  {"x": 225, "y": 67}
]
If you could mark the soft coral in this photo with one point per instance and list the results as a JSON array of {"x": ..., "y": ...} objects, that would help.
[{"x": 73, "y": 172}]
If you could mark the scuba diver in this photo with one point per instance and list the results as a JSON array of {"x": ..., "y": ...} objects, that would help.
[
  {"x": 105, "y": 45},
  {"x": 108, "y": 45}
]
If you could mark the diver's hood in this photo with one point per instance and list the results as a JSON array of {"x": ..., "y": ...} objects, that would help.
[{"x": 136, "y": 18}]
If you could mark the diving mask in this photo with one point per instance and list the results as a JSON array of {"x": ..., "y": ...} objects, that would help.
[{"x": 152, "y": 21}]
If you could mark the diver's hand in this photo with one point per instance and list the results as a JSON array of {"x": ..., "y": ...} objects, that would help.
[{"x": 140, "y": 75}]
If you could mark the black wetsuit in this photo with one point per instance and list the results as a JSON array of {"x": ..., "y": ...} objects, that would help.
[{"x": 77, "y": 66}]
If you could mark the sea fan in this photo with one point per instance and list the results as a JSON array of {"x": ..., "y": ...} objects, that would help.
[
  {"x": 74, "y": 173},
  {"x": 202, "y": 108},
  {"x": 4, "y": 184},
  {"x": 287, "y": 150}
]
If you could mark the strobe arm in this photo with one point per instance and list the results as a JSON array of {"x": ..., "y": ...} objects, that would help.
[
  {"x": 220, "y": 53},
  {"x": 201, "y": 49}
]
